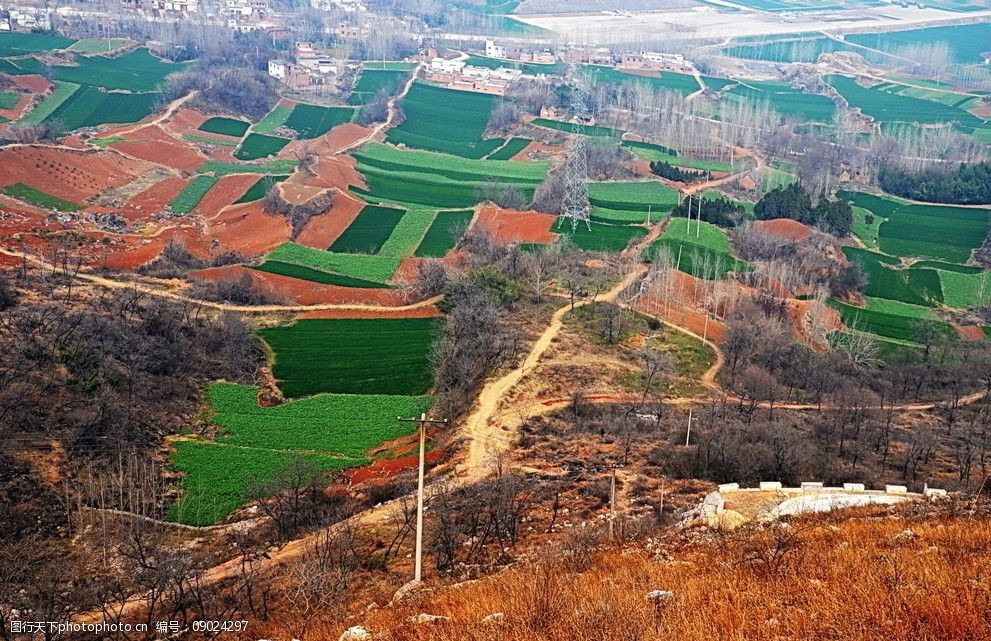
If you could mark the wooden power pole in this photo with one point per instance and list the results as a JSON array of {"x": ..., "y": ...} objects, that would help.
[{"x": 423, "y": 420}]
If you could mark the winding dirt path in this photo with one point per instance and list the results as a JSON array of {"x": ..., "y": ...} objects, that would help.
[{"x": 393, "y": 112}]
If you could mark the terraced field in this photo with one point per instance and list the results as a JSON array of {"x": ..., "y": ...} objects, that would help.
[
  {"x": 571, "y": 128},
  {"x": 680, "y": 83},
  {"x": 33, "y": 196},
  {"x": 888, "y": 104},
  {"x": 310, "y": 121},
  {"x": 901, "y": 327},
  {"x": 192, "y": 194},
  {"x": 444, "y": 233},
  {"x": 225, "y": 126},
  {"x": 353, "y": 356},
  {"x": 631, "y": 202},
  {"x": 373, "y": 270},
  {"x": 658, "y": 153},
  {"x": 966, "y": 42},
  {"x": 90, "y": 106},
  {"x": 136, "y": 71},
  {"x": 786, "y": 100},
  {"x": 369, "y": 231},
  {"x": 257, "y": 146},
  {"x": 257, "y": 191},
  {"x": 512, "y": 147},
  {"x": 439, "y": 181},
  {"x": 372, "y": 81},
  {"x": 931, "y": 231},
  {"x": 19, "y": 44},
  {"x": 610, "y": 239},
  {"x": 447, "y": 121},
  {"x": 796, "y": 49}
]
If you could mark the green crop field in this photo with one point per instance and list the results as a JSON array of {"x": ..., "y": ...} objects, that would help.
[
  {"x": 658, "y": 153},
  {"x": 896, "y": 326},
  {"x": 444, "y": 233},
  {"x": 703, "y": 251},
  {"x": 378, "y": 269},
  {"x": 611, "y": 239},
  {"x": 218, "y": 479},
  {"x": 98, "y": 45},
  {"x": 412, "y": 178},
  {"x": 512, "y": 147},
  {"x": 18, "y": 44},
  {"x": 446, "y": 120},
  {"x": 138, "y": 70},
  {"x": 681, "y": 83},
  {"x": 867, "y": 232},
  {"x": 897, "y": 308},
  {"x": 913, "y": 286},
  {"x": 409, "y": 233},
  {"x": 320, "y": 276},
  {"x": 372, "y": 81},
  {"x": 9, "y": 99},
  {"x": 273, "y": 120},
  {"x": 91, "y": 106},
  {"x": 192, "y": 194},
  {"x": 369, "y": 231},
  {"x": 225, "y": 126},
  {"x": 931, "y": 231},
  {"x": 258, "y": 190},
  {"x": 571, "y": 128},
  {"x": 220, "y": 168},
  {"x": 211, "y": 140},
  {"x": 59, "y": 94},
  {"x": 965, "y": 42},
  {"x": 31, "y": 195},
  {"x": 340, "y": 424},
  {"x": 310, "y": 121},
  {"x": 353, "y": 356},
  {"x": 965, "y": 290},
  {"x": 259, "y": 146},
  {"x": 630, "y": 202},
  {"x": 786, "y": 100},
  {"x": 889, "y": 107}
]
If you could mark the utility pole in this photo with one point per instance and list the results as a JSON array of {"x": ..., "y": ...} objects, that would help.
[
  {"x": 688, "y": 433},
  {"x": 612, "y": 502},
  {"x": 423, "y": 420}
]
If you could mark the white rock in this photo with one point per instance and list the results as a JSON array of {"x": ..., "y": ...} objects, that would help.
[
  {"x": 496, "y": 618},
  {"x": 659, "y": 597},
  {"x": 355, "y": 633},
  {"x": 424, "y": 618}
]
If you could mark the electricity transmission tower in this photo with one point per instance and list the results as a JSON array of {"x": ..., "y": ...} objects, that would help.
[{"x": 575, "y": 205}]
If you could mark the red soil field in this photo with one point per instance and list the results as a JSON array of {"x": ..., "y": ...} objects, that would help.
[
  {"x": 970, "y": 332},
  {"x": 323, "y": 230},
  {"x": 70, "y": 175},
  {"x": 188, "y": 119},
  {"x": 34, "y": 83},
  {"x": 338, "y": 138},
  {"x": 302, "y": 292},
  {"x": 427, "y": 311},
  {"x": 248, "y": 229},
  {"x": 154, "y": 199},
  {"x": 384, "y": 468},
  {"x": 511, "y": 226},
  {"x": 785, "y": 228},
  {"x": 226, "y": 191},
  {"x": 154, "y": 144},
  {"x": 138, "y": 251},
  {"x": 683, "y": 316},
  {"x": 75, "y": 141}
]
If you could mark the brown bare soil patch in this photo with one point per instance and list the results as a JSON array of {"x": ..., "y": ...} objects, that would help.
[
  {"x": 297, "y": 193},
  {"x": 511, "y": 226},
  {"x": 340, "y": 137},
  {"x": 984, "y": 111},
  {"x": 382, "y": 469},
  {"x": 154, "y": 199},
  {"x": 683, "y": 316},
  {"x": 34, "y": 83},
  {"x": 427, "y": 311},
  {"x": 225, "y": 192},
  {"x": 323, "y": 230},
  {"x": 331, "y": 172},
  {"x": 970, "y": 332},
  {"x": 70, "y": 175},
  {"x": 303, "y": 292},
  {"x": 248, "y": 229},
  {"x": 188, "y": 119},
  {"x": 154, "y": 144},
  {"x": 785, "y": 228},
  {"x": 537, "y": 149},
  {"x": 135, "y": 251}
]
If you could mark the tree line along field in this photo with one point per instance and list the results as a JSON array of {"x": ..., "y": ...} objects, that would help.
[
  {"x": 785, "y": 100},
  {"x": 353, "y": 356},
  {"x": 702, "y": 250},
  {"x": 966, "y": 42}
]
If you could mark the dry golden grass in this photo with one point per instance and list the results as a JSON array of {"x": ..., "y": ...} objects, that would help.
[{"x": 855, "y": 579}]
